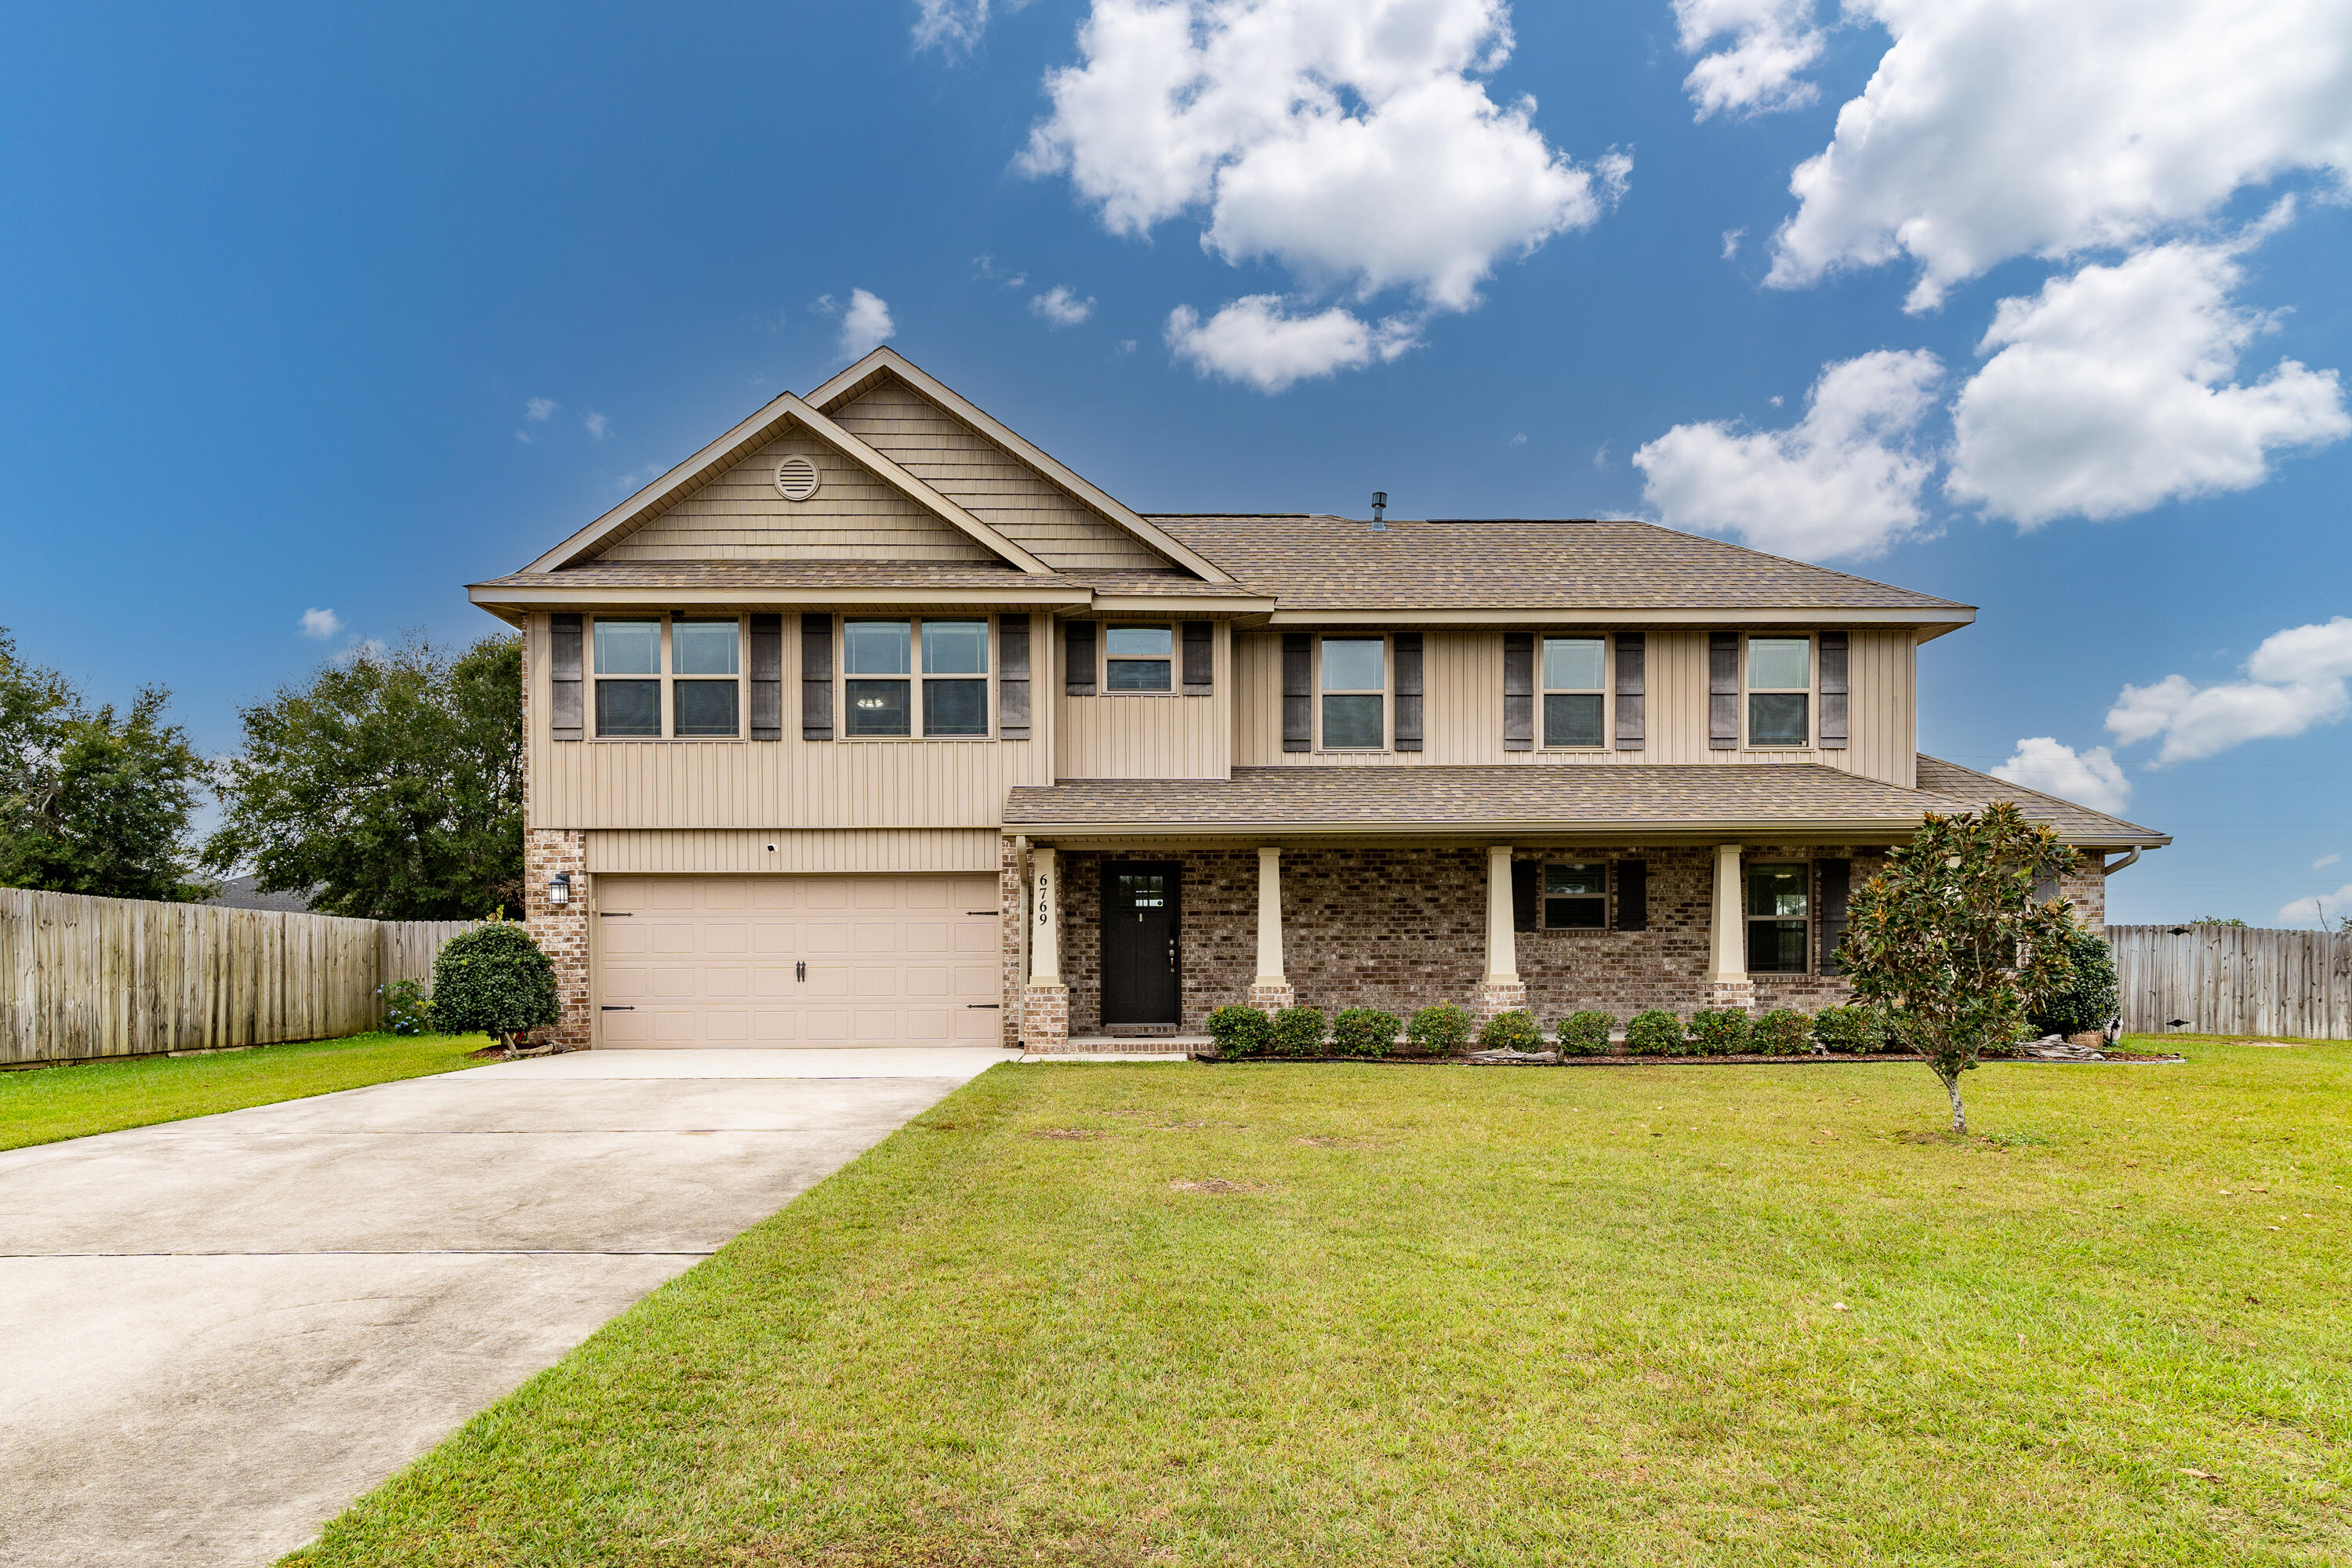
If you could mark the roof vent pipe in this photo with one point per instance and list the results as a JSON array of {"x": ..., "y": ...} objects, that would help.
[{"x": 1380, "y": 505}]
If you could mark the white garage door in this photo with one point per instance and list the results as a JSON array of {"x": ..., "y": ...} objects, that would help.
[{"x": 797, "y": 961}]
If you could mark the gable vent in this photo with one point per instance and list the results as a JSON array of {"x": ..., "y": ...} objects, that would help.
[{"x": 796, "y": 479}]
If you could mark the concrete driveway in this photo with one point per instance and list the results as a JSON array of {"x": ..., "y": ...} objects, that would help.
[{"x": 219, "y": 1332}]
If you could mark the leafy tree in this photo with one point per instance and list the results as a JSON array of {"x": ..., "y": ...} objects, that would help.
[
  {"x": 1949, "y": 940},
  {"x": 391, "y": 784},
  {"x": 493, "y": 979},
  {"x": 2216, "y": 920},
  {"x": 90, "y": 801}
]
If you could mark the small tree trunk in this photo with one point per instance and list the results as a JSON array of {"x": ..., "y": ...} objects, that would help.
[{"x": 1959, "y": 1115}]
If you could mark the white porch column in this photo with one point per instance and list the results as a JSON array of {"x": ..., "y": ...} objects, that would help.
[
  {"x": 1046, "y": 1004},
  {"x": 1500, "y": 991},
  {"x": 1271, "y": 992},
  {"x": 1727, "y": 970}
]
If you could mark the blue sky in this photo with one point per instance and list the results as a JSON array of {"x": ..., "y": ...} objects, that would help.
[{"x": 282, "y": 286}]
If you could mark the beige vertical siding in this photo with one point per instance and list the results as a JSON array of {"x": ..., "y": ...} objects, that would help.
[
  {"x": 793, "y": 850},
  {"x": 739, "y": 516},
  {"x": 1156, "y": 736},
  {"x": 989, "y": 483}
]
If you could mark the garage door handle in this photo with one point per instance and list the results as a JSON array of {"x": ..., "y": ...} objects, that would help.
[
  {"x": 800, "y": 972},
  {"x": 617, "y": 1009}
]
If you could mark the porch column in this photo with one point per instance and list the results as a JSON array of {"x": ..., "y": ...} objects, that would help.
[
  {"x": 1728, "y": 984},
  {"x": 1501, "y": 990},
  {"x": 1271, "y": 992},
  {"x": 1046, "y": 1003}
]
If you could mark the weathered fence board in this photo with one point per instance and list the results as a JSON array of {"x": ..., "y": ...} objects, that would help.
[
  {"x": 84, "y": 977},
  {"x": 2234, "y": 980}
]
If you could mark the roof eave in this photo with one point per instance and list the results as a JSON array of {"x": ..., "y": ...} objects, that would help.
[
  {"x": 1930, "y": 622},
  {"x": 1021, "y": 591}
]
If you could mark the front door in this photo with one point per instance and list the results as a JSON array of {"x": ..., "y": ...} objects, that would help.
[{"x": 1138, "y": 953}]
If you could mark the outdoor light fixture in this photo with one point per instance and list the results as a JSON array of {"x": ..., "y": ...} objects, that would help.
[{"x": 558, "y": 887}]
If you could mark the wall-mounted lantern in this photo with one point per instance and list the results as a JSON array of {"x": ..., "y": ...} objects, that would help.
[{"x": 558, "y": 887}]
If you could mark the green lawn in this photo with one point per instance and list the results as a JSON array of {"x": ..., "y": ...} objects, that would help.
[
  {"x": 42, "y": 1105},
  {"x": 1279, "y": 1314}
]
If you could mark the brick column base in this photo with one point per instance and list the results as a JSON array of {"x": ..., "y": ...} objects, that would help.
[
  {"x": 1273, "y": 998},
  {"x": 561, "y": 930},
  {"x": 1498, "y": 997},
  {"x": 1045, "y": 1016},
  {"x": 1737, "y": 993}
]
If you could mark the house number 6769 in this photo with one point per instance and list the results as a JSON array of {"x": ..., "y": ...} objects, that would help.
[{"x": 1045, "y": 900}]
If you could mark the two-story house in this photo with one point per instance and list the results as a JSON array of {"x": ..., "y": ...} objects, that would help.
[{"x": 871, "y": 723}]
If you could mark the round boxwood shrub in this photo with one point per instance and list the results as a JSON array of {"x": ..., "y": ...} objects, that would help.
[
  {"x": 1513, "y": 1031},
  {"x": 1720, "y": 1031},
  {"x": 492, "y": 979},
  {"x": 1441, "y": 1030},
  {"x": 1364, "y": 1032},
  {"x": 1849, "y": 1031},
  {"x": 1783, "y": 1032},
  {"x": 1299, "y": 1032},
  {"x": 2089, "y": 999},
  {"x": 1655, "y": 1033},
  {"x": 1241, "y": 1031},
  {"x": 1585, "y": 1034}
]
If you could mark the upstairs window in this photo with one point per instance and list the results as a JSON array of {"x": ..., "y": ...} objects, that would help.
[
  {"x": 705, "y": 706},
  {"x": 955, "y": 678},
  {"x": 1779, "y": 690},
  {"x": 1779, "y": 911},
  {"x": 880, "y": 676},
  {"x": 1355, "y": 694},
  {"x": 1576, "y": 897},
  {"x": 629, "y": 708},
  {"x": 1139, "y": 658},
  {"x": 1573, "y": 672},
  {"x": 699, "y": 662}
]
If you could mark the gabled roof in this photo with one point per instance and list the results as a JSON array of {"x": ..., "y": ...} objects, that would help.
[
  {"x": 785, "y": 412},
  {"x": 889, "y": 362},
  {"x": 1969, "y": 790}
]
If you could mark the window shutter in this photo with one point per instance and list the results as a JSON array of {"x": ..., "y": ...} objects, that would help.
[
  {"x": 1078, "y": 659},
  {"x": 1722, "y": 690},
  {"x": 1013, "y": 677},
  {"x": 1632, "y": 894},
  {"x": 1527, "y": 906},
  {"x": 1408, "y": 691},
  {"x": 1518, "y": 691},
  {"x": 1298, "y": 692},
  {"x": 816, "y": 678},
  {"x": 1633, "y": 656},
  {"x": 2046, "y": 884},
  {"x": 1837, "y": 883},
  {"x": 1833, "y": 692},
  {"x": 564, "y": 677},
  {"x": 766, "y": 667},
  {"x": 1200, "y": 658}
]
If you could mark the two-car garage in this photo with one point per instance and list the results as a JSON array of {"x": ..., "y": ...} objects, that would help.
[{"x": 796, "y": 959}]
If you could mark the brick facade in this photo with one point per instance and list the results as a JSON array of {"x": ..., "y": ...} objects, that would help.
[{"x": 560, "y": 932}]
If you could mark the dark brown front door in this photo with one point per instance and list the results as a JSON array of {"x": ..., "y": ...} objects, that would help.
[{"x": 1139, "y": 910}]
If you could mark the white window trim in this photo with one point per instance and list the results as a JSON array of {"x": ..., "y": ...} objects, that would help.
[
  {"x": 1175, "y": 631},
  {"x": 665, "y": 677},
  {"x": 1388, "y": 693},
  {"x": 915, "y": 678},
  {"x": 1608, "y": 696},
  {"x": 1811, "y": 690}
]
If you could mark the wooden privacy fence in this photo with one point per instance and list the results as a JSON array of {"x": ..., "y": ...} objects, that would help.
[
  {"x": 2234, "y": 980},
  {"x": 83, "y": 978}
]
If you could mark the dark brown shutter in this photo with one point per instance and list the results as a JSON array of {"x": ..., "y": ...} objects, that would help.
[
  {"x": 1837, "y": 883},
  {"x": 1518, "y": 691},
  {"x": 816, "y": 678},
  {"x": 1632, "y": 894},
  {"x": 1013, "y": 677},
  {"x": 1722, "y": 690},
  {"x": 1298, "y": 692},
  {"x": 564, "y": 677},
  {"x": 1527, "y": 904},
  {"x": 1408, "y": 691},
  {"x": 1200, "y": 658},
  {"x": 1078, "y": 659},
  {"x": 1632, "y": 656},
  {"x": 2046, "y": 885},
  {"x": 766, "y": 665},
  {"x": 1833, "y": 689}
]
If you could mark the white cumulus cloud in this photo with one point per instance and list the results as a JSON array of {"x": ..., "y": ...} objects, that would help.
[
  {"x": 321, "y": 623},
  {"x": 2091, "y": 778},
  {"x": 1768, "y": 42},
  {"x": 1350, "y": 142},
  {"x": 596, "y": 424},
  {"x": 2323, "y": 909},
  {"x": 2111, "y": 391},
  {"x": 864, "y": 323},
  {"x": 1994, "y": 129},
  {"x": 539, "y": 408},
  {"x": 955, "y": 27},
  {"x": 1058, "y": 306},
  {"x": 1257, "y": 340},
  {"x": 2294, "y": 681},
  {"x": 1843, "y": 481},
  {"x": 2324, "y": 862}
]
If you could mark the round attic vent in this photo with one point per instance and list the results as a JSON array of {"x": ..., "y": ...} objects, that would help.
[{"x": 796, "y": 479}]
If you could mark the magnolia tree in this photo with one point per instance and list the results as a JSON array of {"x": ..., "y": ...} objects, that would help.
[{"x": 1949, "y": 941}]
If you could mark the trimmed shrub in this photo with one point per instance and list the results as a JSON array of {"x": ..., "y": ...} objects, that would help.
[
  {"x": 1656, "y": 1033},
  {"x": 1585, "y": 1034},
  {"x": 493, "y": 979},
  {"x": 1849, "y": 1031},
  {"x": 1720, "y": 1031},
  {"x": 1440, "y": 1030},
  {"x": 1300, "y": 1032},
  {"x": 1364, "y": 1032},
  {"x": 408, "y": 1007},
  {"x": 1513, "y": 1031},
  {"x": 2089, "y": 999},
  {"x": 1241, "y": 1032},
  {"x": 1783, "y": 1032}
]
